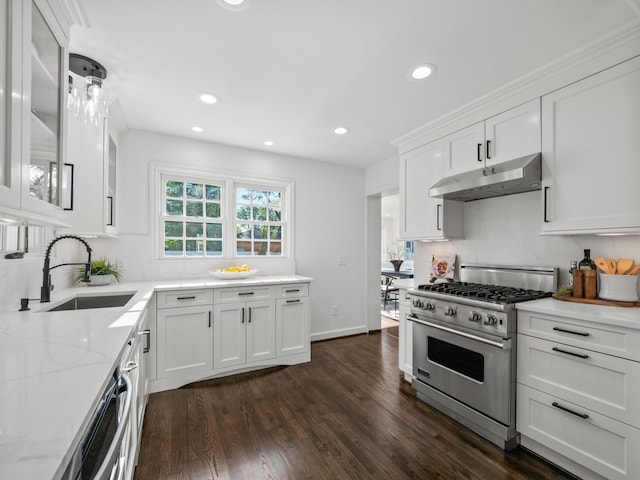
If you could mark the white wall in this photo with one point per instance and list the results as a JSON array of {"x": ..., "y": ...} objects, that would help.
[
  {"x": 504, "y": 231},
  {"x": 328, "y": 221}
]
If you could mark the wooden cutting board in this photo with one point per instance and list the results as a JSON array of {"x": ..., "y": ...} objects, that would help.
[{"x": 595, "y": 301}]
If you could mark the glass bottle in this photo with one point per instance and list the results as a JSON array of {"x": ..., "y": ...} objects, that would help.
[
  {"x": 586, "y": 263},
  {"x": 572, "y": 268}
]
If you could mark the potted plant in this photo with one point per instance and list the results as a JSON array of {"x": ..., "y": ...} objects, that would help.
[
  {"x": 102, "y": 273},
  {"x": 395, "y": 254}
]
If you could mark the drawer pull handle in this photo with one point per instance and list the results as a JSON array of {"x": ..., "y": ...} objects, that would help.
[
  {"x": 293, "y": 291},
  {"x": 209, "y": 318},
  {"x": 293, "y": 301},
  {"x": 245, "y": 293},
  {"x": 581, "y": 355},
  {"x": 568, "y": 410},
  {"x": 190, "y": 297},
  {"x": 242, "y": 315},
  {"x": 147, "y": 337},
  {"x": 582, "y": 334}
]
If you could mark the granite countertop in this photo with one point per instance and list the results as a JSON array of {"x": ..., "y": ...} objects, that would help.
[
  {"x": 56, "y": 364},
  {"x": 628, "y": 317}
]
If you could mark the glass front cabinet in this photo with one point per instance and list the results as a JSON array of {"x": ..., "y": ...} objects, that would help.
[{"x": 34, "y": 71}]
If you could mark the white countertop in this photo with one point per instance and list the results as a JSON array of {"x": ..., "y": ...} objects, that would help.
[
  {"x": 55, "y": 364},
  {"x": 628, "y": 317}
]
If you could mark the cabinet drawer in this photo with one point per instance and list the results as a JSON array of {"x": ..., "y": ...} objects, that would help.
[
  {"x": 603, "y": 383},
  {"x": 221, "y": 295},
  {"x": 184, "y": 298},
  {"x": 292, "y": 290},
  {"x": 596, "y": 442},
  {"x": 609, "y": 339}
]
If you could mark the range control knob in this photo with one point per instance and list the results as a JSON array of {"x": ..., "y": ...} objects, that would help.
[
  {"x": 450, "y": 311},
  {"x": 429, "y": 306},
  {"x": 417, "y": 303},
  {"x": 491, "y": 320},
  {"x": 475, "y": 316}
]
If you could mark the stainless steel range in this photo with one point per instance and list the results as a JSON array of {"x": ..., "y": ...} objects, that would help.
[{"x": 464, "y": 344}]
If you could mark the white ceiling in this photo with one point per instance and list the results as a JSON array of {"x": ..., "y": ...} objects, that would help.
[{"x": 292, "y": 70}]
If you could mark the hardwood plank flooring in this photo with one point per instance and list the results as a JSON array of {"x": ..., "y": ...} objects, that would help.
[{"x": 345, "y": 415}]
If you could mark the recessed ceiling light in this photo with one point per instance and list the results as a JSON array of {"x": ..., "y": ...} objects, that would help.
[
  {"x": 341, "y": 130},
  {"x": 208, "y": 98},
  {"x": 423, "y": 71},
  {"x": 234, "y": 5},
  {"x": 197, "y": 129},
  {"x": 268, "y": 143}
]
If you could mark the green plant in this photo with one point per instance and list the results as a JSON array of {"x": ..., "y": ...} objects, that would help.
[{"x": 102, "y": 266}]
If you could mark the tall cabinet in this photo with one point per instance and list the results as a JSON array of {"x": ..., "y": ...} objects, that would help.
[{"x": 35, "y": 64}]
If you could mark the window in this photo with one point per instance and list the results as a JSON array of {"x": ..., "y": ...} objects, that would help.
[
  {"x": 205, "y": 217},
  {"x": 258, "y": 221},
  {"x": 192, "y": 218}
]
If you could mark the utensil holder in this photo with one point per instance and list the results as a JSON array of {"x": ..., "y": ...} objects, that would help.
[
  {"x": 578, "y": 286},
  {"x": 590, "y": 277},
  {"x": 623, "y": 288}
]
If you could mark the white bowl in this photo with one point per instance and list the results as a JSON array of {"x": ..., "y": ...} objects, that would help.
[
  {"x": 232, "y": 275},
  {"x": 623, "y": 288}
]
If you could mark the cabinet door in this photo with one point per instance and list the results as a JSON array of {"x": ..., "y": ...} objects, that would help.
[
  {"x": 590, "y": 133},
  {"x": 185, "y": 341},
  {"x": 229, "y": 332},
  {"x": 464, "y": 150},
  {"x": 292, "y": 326},
  {"x": 261, "y": 329},
  {"x": 44, "y": 112},
  {"x": 423, "y": 217},
  {"x": 513, "y": 134},
  {"x": 144, "y": 354}
]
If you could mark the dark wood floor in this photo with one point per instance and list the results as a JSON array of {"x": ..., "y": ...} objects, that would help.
[{"x": 344, "y": 415}]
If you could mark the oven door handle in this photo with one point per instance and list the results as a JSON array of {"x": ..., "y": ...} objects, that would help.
[
  {"x": 503, "y": 345},
  {"x": 106, "y": 468}
]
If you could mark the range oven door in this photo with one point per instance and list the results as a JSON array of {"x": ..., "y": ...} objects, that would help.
[{"x": 476, "y": 371}]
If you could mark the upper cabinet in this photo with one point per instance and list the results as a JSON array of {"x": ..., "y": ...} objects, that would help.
[
  {"x": 35, "y": 73},
  {"x": 422, "y": 217},
  {"x": 507, "y": 136},
  {"x": 92, "y": 165},
  {"x": 589, "y": 133}
]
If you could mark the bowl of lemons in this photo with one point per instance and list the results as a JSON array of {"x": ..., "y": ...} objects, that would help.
[{"x": 234, "y": 271}]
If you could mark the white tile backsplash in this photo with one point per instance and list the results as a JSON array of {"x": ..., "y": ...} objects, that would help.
[{"x": 505, "y": 231}]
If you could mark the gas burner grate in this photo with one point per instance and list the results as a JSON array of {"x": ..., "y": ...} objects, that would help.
[{"x": 488, "y": 293}]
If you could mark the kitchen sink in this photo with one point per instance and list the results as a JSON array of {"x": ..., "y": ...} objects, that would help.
[{"x": 93, "y": 301}]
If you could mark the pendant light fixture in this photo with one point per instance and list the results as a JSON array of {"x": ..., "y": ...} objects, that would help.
[{"x": 88, "y": 96}]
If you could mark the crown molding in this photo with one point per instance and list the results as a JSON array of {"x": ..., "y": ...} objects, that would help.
[
  {"x": 75, "y": 13},
  {"x": 535, "y": 82}
]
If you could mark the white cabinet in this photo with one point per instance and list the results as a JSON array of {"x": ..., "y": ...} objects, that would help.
[
  {"x": 422, "y": 217},
  {"x": 34, "y": 74},
  {"x": 92, "y": 157},
  {"x": 507, "y": 136},
  {"x": 405, "y": 336},
  {"x": 210, "y": 332},
  {"x": 185, "y": 333},
  {"x": 578, "y": 394},
  {"x": 590, "y": 132},
  {"x": 244, "y": 332},
  {"x": 292, "y": 320}
]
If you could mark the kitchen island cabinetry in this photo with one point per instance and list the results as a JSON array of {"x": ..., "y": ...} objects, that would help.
[
  {"x": 185, "y": 339},
  {"x": 422, "y": 217},
  {"x": 507, "y": 136},
  {"x": 578, "y": 392},
  {"x": 589, "y": 128},
  {"x": 244, "y": 332}
]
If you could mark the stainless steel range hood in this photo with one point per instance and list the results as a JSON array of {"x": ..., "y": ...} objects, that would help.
[{"x": 515, "y": 176}]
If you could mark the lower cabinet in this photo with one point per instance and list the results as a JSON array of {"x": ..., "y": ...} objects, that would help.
[
  {"x": 405, "y": 336},
  {"x": 578, "y": 405},
  {"x": 211, "y": 332},
  {"x": 244, "y": 332}
]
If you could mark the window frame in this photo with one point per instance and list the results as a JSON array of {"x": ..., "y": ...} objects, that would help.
[{"x": 229, "y": 181}]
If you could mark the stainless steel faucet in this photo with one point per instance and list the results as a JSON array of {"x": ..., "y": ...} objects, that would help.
[{"x": 45, "y": 290}]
